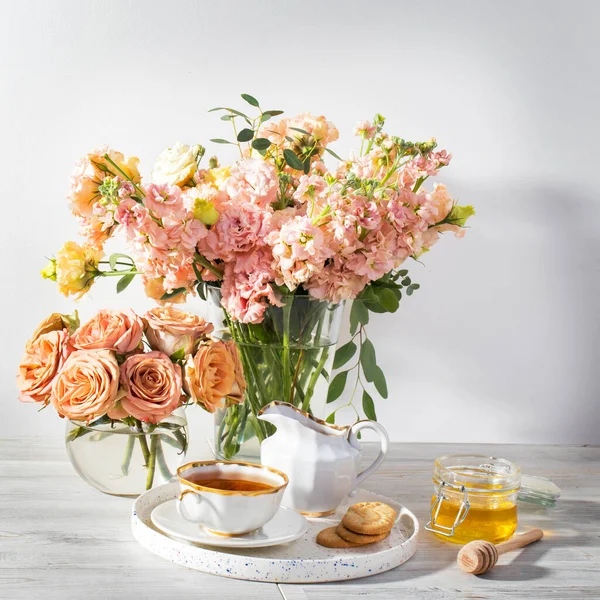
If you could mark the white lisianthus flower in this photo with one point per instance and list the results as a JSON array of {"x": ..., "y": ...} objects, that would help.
[{"x": 176, "y": 165}]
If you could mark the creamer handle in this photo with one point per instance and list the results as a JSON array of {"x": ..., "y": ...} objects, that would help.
[{"x": 384, "y": 440}]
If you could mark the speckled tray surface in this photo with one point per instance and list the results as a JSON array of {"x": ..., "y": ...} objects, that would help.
[{"x": 301, "y": 561}]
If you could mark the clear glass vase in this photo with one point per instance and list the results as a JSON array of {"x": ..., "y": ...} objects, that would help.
[
  {"x": 287, "y": 357},
  {"x": 125, "y": 461}
]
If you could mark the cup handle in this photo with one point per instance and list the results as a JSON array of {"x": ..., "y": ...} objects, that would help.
[
  {"x": 181, "y": 506},
  {"x": 384, "y": 441}
]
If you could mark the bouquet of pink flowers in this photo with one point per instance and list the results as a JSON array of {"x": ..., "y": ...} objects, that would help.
[
  {"x": 278, "y": 224},
  {"x": 122, "y": 368}
]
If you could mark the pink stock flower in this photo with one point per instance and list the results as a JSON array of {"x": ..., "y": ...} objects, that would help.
[
  {"x": 164, "y": 200},
  {"x": 253, "y": 181},
  {"x": 239, "y": 228},
  {"x": 365, "y": 129},
  {"x": 299, "y": 251}
]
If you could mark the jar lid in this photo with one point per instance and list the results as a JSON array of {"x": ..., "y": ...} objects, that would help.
[
  {"x": 538, "y": 491},
  {"x": 477, "y": 473}
]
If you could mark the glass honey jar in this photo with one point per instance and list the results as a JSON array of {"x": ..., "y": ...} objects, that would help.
[{"x": 474, "y": 498}]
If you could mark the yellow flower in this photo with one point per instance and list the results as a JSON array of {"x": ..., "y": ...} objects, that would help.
[
  {"x": 76, "y": 268},
  {"x": 217, "y": 177}
]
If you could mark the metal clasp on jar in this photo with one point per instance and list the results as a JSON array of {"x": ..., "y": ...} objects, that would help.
[{"x": 461, "y": 515}]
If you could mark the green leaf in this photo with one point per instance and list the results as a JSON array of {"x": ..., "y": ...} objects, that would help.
[
  {"x": 200, "y": 288},
  {"x": 292, "y": 160},
  {"x": 368, "y": 360},
  {"x": 300, "y": 130},
  {"x": 197, "y": 271},
  {"x": 358, "y": 314},
  {"x": 221, "y": 141},
  {"x": 380, "y": 382},
  {"x": 344, "y": 354},
  {"x": 273, "y": 113},
  {"x": 415, "y": 286},
  {"x": 114, "y": 258},
  {"x": 331, "y": 418},
  {"x": 405, "y": 281},
  {"x": 226, "y": 117},
  {"x": 261, "y": 144},
  {"x": 333, "y": 154},
  {"x": 388, "y": 299},
  {"x": 235, "y": 112},
  {"x": 175, "y": 292},
  {"x": 337, "y": 386},
  {"x": 178, "y": 355},
  {"x": 250, "y": 99},
  {"x": 124, "y": 282},
  {"x": 307, "y": 166},
  {"x": 245, "y": 135},
  {"x": 368, "y": 407},
  {"x": 403, "y": 273},
  {"x": 409, "y": 290}
]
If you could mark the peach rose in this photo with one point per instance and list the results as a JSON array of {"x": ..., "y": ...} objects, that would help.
[
  {"x": 210, "y": 375},
  {"x": 239, "y": 385},
  {"x": 116, "y": 330},
  {"x": 153, "y": 386},
  {"x": 86, "y": 387},
  {"x": 45, "y": 355},
  {"x": 170, "y": 329},
  {"x": 155, "y": 289},
  {"x": 55, "y": 322}
]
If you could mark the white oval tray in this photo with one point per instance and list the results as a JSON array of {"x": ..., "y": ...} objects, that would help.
[{"x": 301, "y": 561}]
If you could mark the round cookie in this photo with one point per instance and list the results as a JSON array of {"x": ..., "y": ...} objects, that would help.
[
  {"x": 358, "y": 538},
  {"x": 369, "y": 518},
  {"x": 330, "y": 539}
]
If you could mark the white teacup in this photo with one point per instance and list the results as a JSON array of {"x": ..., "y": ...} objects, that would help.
[{"x": 227, "y": 511}]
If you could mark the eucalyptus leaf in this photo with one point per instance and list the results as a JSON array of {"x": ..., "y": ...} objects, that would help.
[
  {"x": 344, "y": 354},
  {"x": 124, "y": 282},
  {"x": 405, "y": 281},
  {"x": 337, "y": 386},
  {"x": 368, "y": 360},
  {"x": 221, "y": 141},
  {"x": 333, "y": 154},
  {"x": 226, "y": 117},
  {"x": 358, "y": 315},
  {"x": 300, "y": 130},
  {"x": 261, "y": 144},
  {"x": 250, "y": 99},
  {"x": 245, "y": 135},
  {"x": 331, "y": 418},
  {"x": 273, "y": 113},
  {"x": 388, "y": 299},
  {"x": 292, "y": 160},
  {"x": 368, "y": 407},
  {"x": 380, "y": 382}
]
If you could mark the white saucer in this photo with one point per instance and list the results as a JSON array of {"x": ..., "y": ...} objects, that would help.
[{"x": 286, "y": 526}]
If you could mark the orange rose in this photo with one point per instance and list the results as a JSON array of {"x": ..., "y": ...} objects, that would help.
[
  {"x": 45, "y": 355},
  {"x": 170, "y": 329},
  {"x": 239, "y": 385},
  {"x": 210, "y": 375},
  {"x": 116, "y": 330},
  {"x": 86, "y": 387},
  {"x": 153, "y": 386}
]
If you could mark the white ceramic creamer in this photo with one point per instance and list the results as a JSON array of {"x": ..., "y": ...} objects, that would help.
[{"x": 322, "y": 461}]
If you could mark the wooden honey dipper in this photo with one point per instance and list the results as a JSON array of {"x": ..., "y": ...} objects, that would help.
[{"x": 479, "y": 557}]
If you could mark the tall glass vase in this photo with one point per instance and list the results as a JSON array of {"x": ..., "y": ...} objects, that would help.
[{"x": 287, "y": 357}]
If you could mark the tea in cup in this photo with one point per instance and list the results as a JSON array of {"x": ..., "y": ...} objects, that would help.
[{"x": 229, "y": 498}]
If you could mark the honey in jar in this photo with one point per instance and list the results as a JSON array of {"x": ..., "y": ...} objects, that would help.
[{"x": 474, "y": 498}]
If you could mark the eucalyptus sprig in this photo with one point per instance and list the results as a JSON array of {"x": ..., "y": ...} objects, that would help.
[{"x": 380, "y": 296}]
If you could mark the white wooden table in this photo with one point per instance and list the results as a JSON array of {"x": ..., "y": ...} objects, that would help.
[{"x": 61, "y": 539}]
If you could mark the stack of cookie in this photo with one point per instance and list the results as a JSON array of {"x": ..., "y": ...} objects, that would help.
[{"x": 364, "y": 523}]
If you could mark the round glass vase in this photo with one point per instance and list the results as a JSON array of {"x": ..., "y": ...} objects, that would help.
[
  {"x": 286, "y": 357},
  {"x": 124, "y": 460}
]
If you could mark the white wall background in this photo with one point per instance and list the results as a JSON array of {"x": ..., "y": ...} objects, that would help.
[{"x": 502, "y": 341}]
